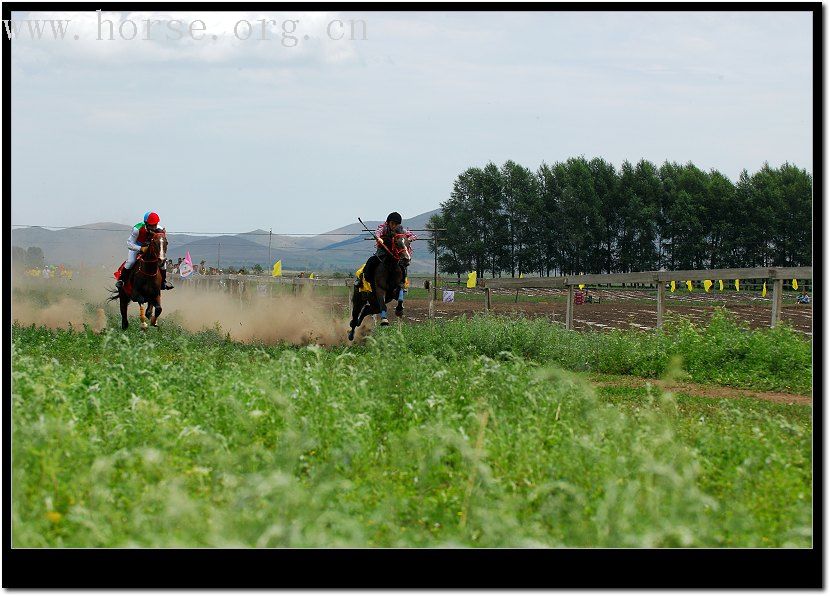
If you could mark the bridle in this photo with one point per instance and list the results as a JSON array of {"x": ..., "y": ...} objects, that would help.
[
  {"x": 152, "y": 251},
  {"x": 400, "y": 252}
]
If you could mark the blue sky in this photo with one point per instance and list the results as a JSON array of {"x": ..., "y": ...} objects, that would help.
[{"x": 230, "y": 135}]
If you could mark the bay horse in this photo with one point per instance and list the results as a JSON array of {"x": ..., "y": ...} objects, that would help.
[
  {"x": 387, "y": 281},
  {"x": 143, "y": 282}
]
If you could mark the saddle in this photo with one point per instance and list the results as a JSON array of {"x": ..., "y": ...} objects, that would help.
[
  {"x": 128, "y": 283},
  {"x": 366, "y": 286}
]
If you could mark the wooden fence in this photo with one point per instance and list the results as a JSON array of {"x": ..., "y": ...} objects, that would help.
[
  {"x": 235, "y": 283},
  {"x": 657, "y": 278}
]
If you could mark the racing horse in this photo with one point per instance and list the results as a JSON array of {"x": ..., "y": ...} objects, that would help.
[
  {"x": 387, "y": 282},
  {"x": 143, "y": 282}
]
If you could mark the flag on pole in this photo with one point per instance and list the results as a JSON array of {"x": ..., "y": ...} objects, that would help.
[
  {"x": 764, "y": 291},
  {"x": 795, "y": 284},
  {"x": 449, "y": 296},
  {"x": 689, "y": 284},
  {"x": 186, "y": 266},
  {"x": 707, "y": 284},
  {"x": 277, "y": 272},
  {"x": 521, "y": 275},
  {"x": 672, "y": 286},
  {"x": 471, "y": 279},
  {"x": 737, "y": 285},
  {"x": 581, "y": 286},
  {"x": 311, "y": 276},
  {"x": 720, "y": 284}
]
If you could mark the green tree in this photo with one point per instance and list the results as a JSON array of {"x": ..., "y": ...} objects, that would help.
[
  {"x": 522, "y": 207},
  {"x": 34, "y": 257}
]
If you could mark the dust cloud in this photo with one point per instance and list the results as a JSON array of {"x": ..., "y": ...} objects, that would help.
[
  {"x": 63, "y": 314},
  {"x": 57, "y": 304},
  {"x": 300, "y": 319},
  {"x": 297, "y": 319}
]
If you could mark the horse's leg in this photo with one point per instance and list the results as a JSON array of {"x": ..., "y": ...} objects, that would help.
[
  {"x": 380, "y": 297},
  {"x": 124, "y": 303},
  {"x": 143, "y": 318},
  {"x": 157, "y": 312},
  {"x": 357, "y": 318},
  {"x": 356, "y": 310}
]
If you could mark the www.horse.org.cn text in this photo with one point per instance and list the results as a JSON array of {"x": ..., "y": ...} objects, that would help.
[{"x": 288, "y": 33}]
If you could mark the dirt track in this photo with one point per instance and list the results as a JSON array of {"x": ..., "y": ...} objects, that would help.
[
  {"x": 616, "y": 314},
  {"x": 698, "y": 390}
]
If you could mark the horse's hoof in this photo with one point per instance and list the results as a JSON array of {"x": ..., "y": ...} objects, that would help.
[
  {"x": 154, "y": 325},
  {"x": 351, "y": 335},
  {"x": 384, "y": 322}
]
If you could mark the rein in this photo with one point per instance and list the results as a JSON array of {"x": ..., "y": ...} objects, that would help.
[{"x": 147, "y": 261}]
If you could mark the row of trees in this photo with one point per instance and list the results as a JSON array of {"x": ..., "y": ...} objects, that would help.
[
  {"x": 582, "y": 216},
  {"x": 29, "y": 258}
]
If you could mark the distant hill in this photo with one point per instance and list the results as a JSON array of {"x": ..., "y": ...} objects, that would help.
[{"x": 104, "y": 243}]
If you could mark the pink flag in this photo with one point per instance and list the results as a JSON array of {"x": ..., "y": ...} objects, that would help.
[{"x": 186, "y": 266}]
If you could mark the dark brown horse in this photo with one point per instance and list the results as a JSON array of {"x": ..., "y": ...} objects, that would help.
[
  {"x": 142, "y": 283},
  {"x": 387, "y": 281}
]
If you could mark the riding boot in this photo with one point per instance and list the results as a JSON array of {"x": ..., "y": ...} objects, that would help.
[
  {"x": 164, "y": 284},
  {"x": 120, "y": 283}
]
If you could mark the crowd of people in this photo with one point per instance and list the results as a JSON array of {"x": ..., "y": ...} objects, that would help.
[{"x": 50, "y": 271}]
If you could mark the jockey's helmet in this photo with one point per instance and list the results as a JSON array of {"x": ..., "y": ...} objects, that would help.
[
  {"x": 151, "y": 218},
  {"x": 395, "y": 218}
]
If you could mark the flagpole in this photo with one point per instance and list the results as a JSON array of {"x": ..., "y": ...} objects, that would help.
[{"x": 269, "y": 246}]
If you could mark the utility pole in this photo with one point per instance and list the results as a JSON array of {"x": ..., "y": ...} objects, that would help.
[
  {"x": 218, "y": 254},
  {"x": 269, "y": 247},
  {"x": 435, "y": 269}
]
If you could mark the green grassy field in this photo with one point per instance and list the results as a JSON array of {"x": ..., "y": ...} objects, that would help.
[{"x": 467, "y": 433}]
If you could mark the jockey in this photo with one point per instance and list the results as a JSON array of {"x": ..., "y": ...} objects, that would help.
[
  {"x": 385, "y": 234},
  {"x": 138, "y": 242}
]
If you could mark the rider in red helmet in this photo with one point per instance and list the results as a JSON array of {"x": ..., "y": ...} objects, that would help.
[{"x": 138, "y": 242}]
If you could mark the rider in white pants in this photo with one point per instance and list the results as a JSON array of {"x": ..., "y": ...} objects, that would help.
[{"x": 138, "y": 241}]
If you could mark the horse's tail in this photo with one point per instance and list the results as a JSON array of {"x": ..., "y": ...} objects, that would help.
[{"x": 115, "y": 294}]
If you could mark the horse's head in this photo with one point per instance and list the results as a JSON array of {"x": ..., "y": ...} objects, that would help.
[
  {"x": 158, "y": 245},
  {"x": 401, "y": 250}
]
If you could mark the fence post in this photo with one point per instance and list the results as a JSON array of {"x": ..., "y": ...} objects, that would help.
[
  {"x": 487, "y": 303},
  {"x": 569, "y": 309},
  {"x": 777, "y": 291},
  {"x": 661, "y": 302}
]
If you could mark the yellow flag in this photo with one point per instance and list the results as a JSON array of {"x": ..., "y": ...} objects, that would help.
[
  {"x": 737, "y": 285},
  {"x": 581, "y": 286},
  {"x": 277, "y": 272},
  {"x": 689, "y": 284},
  {"x": 521, "y": 275},
  {"x": 471, "y": 279},
  {"x": 764, "y": 291},
  {"x": 720, "y": 284},
  {"x": 672, "y": 286},
  {"x": 795, "y": 284},
  {"x": 707, "y": 284},
  {"x": 311, "y": 276}
]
